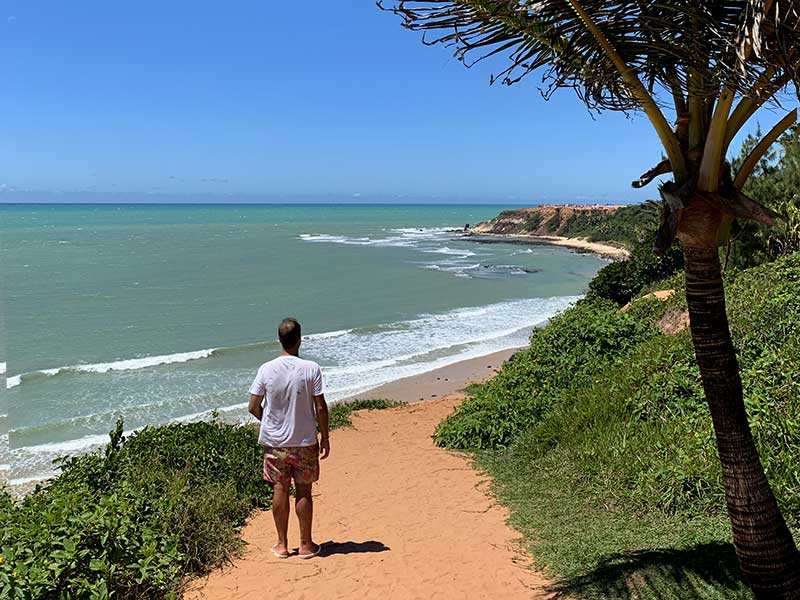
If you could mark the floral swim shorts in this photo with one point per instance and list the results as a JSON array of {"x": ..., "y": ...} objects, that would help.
[{"x": 300, "y": 463}]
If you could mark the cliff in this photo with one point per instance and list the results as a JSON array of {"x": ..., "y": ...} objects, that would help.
[{"x": 549, "y": 220}]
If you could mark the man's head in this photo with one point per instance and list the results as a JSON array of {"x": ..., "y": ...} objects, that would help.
[{"x": 289, "y": 334}]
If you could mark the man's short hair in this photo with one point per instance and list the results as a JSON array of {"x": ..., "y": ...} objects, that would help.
[{"x": 289, "y": 333}]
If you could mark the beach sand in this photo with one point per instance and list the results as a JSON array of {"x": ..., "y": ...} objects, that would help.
[
  {"x": 442, "y": 381},
  {"x": 605, "y": 250},
  {"x": 399, "y": 517},
  {"x": 578, "y": 244}
]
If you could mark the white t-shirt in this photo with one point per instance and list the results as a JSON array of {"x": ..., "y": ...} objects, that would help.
[{"x": 289, "y": 384}]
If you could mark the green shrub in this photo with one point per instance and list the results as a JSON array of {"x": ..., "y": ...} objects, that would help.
[
  {"x": 621, "y": 281},
  {"x": 631, "y": 415},
  {"x": 615, "y": 480},
  {"x": 132, "y": 518},
  {"x": 560, "y": 355}
]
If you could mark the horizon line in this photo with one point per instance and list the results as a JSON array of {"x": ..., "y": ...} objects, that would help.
[{"x": 327, "y": 203}]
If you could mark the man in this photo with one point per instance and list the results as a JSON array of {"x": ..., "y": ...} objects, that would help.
[{"x": 286, "y": 396}]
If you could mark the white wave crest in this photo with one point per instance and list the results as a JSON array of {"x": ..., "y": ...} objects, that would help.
[
  {"x": 133, "y": 364},
  {"x": 130, "y": 364},
  {"x": 33, "y": 479},
  {"x": 360, "y": 241},
  {"x": 326, "y": 335},
  {"x": 405, "y": 237},
  {"x": 137, "y": 363},
  {"x": 451, "y": 251}
]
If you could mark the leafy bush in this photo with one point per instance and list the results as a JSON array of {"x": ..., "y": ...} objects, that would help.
[
  {"x": 560, "y": 355},
  {"x": 774, "y": 183},
  {"x": 644, "y": 429},
  {"x": 131, "y": 519},
  {"x": 631, "y": 416},
  {"x": 615, "y": 481},
  {"x": 621, "y": 281}
]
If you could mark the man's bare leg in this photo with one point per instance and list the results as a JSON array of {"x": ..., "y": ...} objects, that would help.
[
  {"x": 304, "y": 507},
  {"x": 280, "y": 512}
]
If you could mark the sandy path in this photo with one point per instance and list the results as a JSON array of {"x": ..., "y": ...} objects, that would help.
[{"x": 400, "y": 518}]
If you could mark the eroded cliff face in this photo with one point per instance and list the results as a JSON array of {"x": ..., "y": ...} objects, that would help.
[{"x": 549, "y": 219}]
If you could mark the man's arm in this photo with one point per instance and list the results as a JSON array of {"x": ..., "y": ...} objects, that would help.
[
  {"x": 322, "y": 422},
  {"x": 254, "y": 406}
]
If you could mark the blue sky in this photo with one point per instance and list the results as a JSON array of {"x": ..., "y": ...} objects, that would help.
[{"x": 286, "y": 101}]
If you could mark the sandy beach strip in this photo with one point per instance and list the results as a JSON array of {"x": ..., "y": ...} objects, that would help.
[
  {"x": 579, "y": 244},
  {"x": 399, "y": 519},
  {"x": 442, "y": 381}
]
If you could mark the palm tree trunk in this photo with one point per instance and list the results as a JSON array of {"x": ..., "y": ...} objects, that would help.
[{"x": 768, "y": 557}]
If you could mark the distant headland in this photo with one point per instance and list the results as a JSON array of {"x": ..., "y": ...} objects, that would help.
[{"x": 587, "y": 228}]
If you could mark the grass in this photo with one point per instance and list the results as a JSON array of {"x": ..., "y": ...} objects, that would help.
[
  {"x": 341, "y": 412},
  {"x": 596, "y": 549}
]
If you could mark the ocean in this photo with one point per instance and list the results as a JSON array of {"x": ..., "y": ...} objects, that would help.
[{"x": 163, "y": 313}]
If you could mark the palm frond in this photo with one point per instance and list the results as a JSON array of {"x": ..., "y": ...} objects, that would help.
[{"x": 729, "y": 42}]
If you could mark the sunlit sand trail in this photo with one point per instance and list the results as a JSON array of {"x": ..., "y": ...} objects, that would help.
[{"x": 400, "y": 518}]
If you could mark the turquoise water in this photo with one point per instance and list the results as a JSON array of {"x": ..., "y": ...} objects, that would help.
[{"x": 162, "y": 313}]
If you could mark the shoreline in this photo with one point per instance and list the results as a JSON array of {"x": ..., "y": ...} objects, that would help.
[
  {"x": 582, "y": 245},
  {"x": 430, "y": 385},
  {"x": 444, "y": 381}
]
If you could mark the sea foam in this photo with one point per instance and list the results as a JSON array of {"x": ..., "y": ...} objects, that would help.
[
  {"x": 129, "y": 364},
  {"x": 354, "y": 360}
]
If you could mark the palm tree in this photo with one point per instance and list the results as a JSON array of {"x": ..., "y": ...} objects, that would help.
[{"x": 713, "y": 64}]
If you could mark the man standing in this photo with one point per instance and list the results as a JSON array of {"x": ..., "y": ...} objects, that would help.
[{"x": 286, "y": 396}]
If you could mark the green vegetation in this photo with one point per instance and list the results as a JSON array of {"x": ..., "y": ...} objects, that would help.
[
  {"x": 628, "y": 225},
  {"x": 600, "y": 440},
  {"x": 130, "y": 520},
  {"x": 621, "y": 281},
  {"x": 534, "y": 378},
  {"x": 775, "y": 183},
  {"x": 340, "y": 413},
  {"x": 634, "y": 227},
  {"x": 532, "y": 222}
]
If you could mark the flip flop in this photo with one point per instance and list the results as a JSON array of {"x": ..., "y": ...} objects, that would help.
[
  {"x": 311, "y": 554},
  {"x": 279, "y": 554}
]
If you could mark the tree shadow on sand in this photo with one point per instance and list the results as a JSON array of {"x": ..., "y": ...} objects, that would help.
[
  {"x": 701, "y": 571},
  {"x": 330, "y": 547}
]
